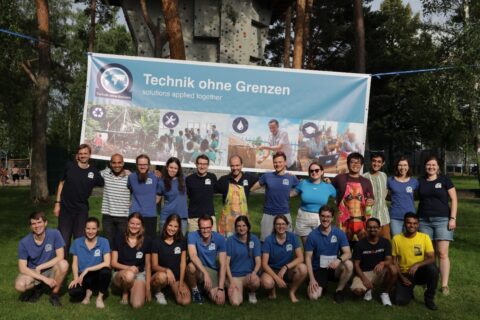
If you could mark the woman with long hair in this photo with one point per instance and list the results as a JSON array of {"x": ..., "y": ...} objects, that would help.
[
  {"x": 282, "y": 260},
  {"x": 172, "y": 187},
  {"x": 169, "y": 262},
  {"x": 132, "y": 263},
  {"x": 438, "y": 217},
  {"x": 402, "y": 188},
  {"x": 243, "y": 262},
  {"x": 314, "y": 194},
  {"x": 90, "y": 265},
  {"x": 143, "y": 185}
]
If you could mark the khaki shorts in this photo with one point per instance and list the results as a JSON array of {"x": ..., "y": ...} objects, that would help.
[
  {"x": 306, "y": 222},
  {"x": 375, "y": 278},
  {"x": 193, "y": 224},
  {"x": 46, "y": 273},
  {"x": 212, "y": 273},
  {"x": 266, "y": 226}
]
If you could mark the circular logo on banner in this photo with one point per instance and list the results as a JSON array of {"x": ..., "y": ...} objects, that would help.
[
  {"x": 240, "y": 125},
  {"x": 309, "y": 130},
  {"x": 170, "y": 120},
  {"x": 115, "y": 78},
  {"x": 97, "y": 112}
]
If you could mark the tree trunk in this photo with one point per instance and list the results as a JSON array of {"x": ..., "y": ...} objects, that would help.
[
  {"x": 359, "y": 37},
  {"x": 299, "y": 27},
  {"x": 288, "y": 37},
  {"x": 91, "y": 37},
  {"x": 174, "y": 29},
  {"x": 306, "y": 29},
  {"x": 39, "y": 186},
  {"x": 157, "y": 37}
]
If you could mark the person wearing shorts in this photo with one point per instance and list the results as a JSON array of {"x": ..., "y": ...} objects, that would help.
[
  {"x": 372, "y": 260},
  {"x": 314, "y": 194},
  {"x": 438, "y": 218},
  {"x": 41, "y": 261},
  {"x": 277, "y": 186},
  {"x": 243, "y": 262},
  {"x": 169, "y": 262},
  {"x": 90, "y": 265},
  {"x": 208, "y": 261},
  {"x": 282, "y": 260},
  {"x": 131, "y": 261},
  {"x": 327, "y": 254}
]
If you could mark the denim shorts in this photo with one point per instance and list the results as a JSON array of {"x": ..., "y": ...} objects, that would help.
[{"x": 436, "y": 228}]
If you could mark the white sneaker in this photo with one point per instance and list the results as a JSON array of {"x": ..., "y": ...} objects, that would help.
[
  {"x": 368, "y": 295},
  {"x": 386, "y": 299},
  {"x": 161, "y": 298},
  {"x": 252, "y": 298}
]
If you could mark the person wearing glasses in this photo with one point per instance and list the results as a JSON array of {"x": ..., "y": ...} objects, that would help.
[
  {"x": 314, "y": 194},
  {"x": 327, "y": 256},
  {"x": 208, "y": 256},
  {"x": 282, "y": 260},
  {"x": 200, "y": 191},
  {"x": 144, "y": 186}
]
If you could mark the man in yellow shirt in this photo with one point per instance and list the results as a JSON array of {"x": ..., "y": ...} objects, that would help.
[{"x": 414, "y": 257}]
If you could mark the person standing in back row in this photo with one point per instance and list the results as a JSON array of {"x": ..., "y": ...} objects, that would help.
[{"x": 71, "y": 204}]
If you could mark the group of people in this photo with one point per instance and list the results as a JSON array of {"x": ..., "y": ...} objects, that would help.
[{"x": 234, "y": 258}]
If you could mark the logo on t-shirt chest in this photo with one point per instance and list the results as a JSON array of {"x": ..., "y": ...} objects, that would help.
[
  {"x": 149, "y": 181},
  {"x": 48, "y": 247},
  {"x": 212, "y": 247},
  {"x": 417, "y": 249},
  {"x": 286, "y": 182},
  {"x": 139, "y": 255},
  {"x": 251, "y": 244},
  {"x": 208, "y": 182},
  {"x": 91, "y": 175},
  {"x": 333, "y": 239},
  {"x": 177, "y": 250},
  {"x": 245, "y": 183},
  {"x": 96, "y": 253},
  {"x": 438, "y": 185},
  {"x": 409, "y": 189},
  {"x": 288, "y": 247}
]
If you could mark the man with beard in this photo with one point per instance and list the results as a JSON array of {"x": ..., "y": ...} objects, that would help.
[
  {"x": 144, "y": 188},
  {"x": 414, "y": 258},
  {"x": 235, "y": 189},
  {"x": 116, "y": 198},
  {"x": 372, "y": 259},
  {"x": 71, "y": 204},
  {"x": 277, "y": 185}
]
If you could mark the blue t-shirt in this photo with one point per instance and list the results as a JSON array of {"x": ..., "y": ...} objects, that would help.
[
  {"x": 277, "y": 192},
  {"x": 208, "y": 252},
  {"x": 86, "y": 257},
  {"x": 174, "y": 200},
  {"x": 280, "y": 254},
  {"x": 242, "y": 257},
  {"x": 324, "y": 246},
  {"x": 144, "y": 195},
  {"x": 314, "y": 195},
  {"x": 402, "y": 195},
  {"x": 37, "y": 254}
]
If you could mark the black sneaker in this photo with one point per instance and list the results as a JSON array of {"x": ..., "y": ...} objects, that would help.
[
  {"x": 37, "y": 293},
  {"x": 55, "y": 300},
  {"x": 25, "y": 297},
  {"x": 339, "y": 296},
  {"x": 431, "y": 305}
]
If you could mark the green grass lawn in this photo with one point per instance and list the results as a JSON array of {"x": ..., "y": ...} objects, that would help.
[
  {"x": 464, "y": 182},
  {"x": 463, "y": 303}
]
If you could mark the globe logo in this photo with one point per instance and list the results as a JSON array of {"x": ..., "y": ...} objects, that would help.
[{"x": 114, "y": 80}]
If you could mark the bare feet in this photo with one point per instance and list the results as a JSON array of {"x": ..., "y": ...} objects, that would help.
[
  {"x": 293, "y": 297},
  {"x": 272, "y": 295},
  {"x": 124, "y": 298},
  {"x": 99, "y": 303},
  {"x": 86, "y": 300}
]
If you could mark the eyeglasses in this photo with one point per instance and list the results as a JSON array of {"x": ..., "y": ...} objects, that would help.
[
  {"x": 314, "y": 171},
  {"x": 205, "y": 228},
  {"x": 326, "y": 218}
]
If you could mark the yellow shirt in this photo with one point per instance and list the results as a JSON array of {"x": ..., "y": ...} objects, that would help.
[{"x": 411, "y": 250}]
